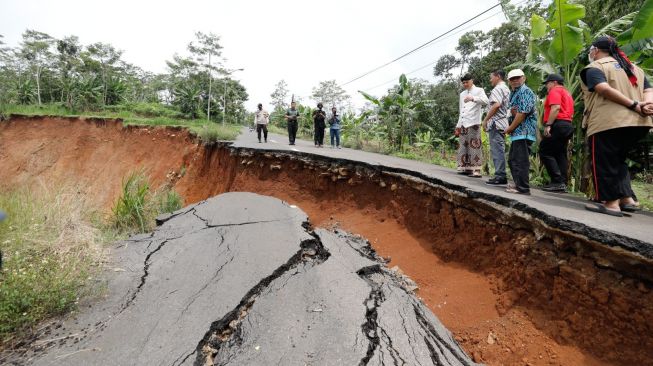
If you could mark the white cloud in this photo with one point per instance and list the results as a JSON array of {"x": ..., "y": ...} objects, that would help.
[{"x": 302, "y": 42}]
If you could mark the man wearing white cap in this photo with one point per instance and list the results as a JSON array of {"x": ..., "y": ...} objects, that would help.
[
  {"x": 522, "y": 131},
  {"x": 468, "y": 129}
]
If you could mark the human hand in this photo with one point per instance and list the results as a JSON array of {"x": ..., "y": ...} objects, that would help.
[
  {"x": 457, "y": 131},
  {"x": 485, "y": 125},
  {"x": 647, "y": 108},
  {"x": 509, "y": 130},
  {"x": 547, "y": 131},
  {"x": 468, "y": 98},
  {"x": 513, "y": 111}
]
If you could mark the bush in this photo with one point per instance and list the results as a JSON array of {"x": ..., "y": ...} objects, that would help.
[
  {"x": 215, "y": 132},
  {"x": 137, "y": 206}
]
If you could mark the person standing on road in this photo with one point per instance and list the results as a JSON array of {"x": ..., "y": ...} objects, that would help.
[
  {"x": 558, "y": 129},
  {"x": 261, "y": 119},
  {"x": 618, "y": 108},
  {"x": 334, "y": 130},
  {"x": 319, "y": 117},
  {"x": 470, "y": 149},
  {"x": 292, "y": 115},
  {"x": 522, "y": 131},
  {"x": 495, "y": 123}
]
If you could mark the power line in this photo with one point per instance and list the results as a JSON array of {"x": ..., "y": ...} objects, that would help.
[
  {"x": 422, "y": 46},
  {"x": 433, "y": 62}
]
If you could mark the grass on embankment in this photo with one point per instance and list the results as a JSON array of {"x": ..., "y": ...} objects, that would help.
[
  {"x": 53, "y": 244},
  {"x": 142, "y": 114},
  {"x": 50, "y": 248}
]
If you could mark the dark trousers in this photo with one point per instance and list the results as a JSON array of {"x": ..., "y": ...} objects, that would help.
[
  {"x": 260, "y": 127},
  {"x": 553, "y": 151},
  {"x": 292, "y": 131},
  {"x": 319, "y": 135},
  {"x": 518, "y": 160},
  {"x": 608, "y": 152},
  {"x": 335, "y": 135}
]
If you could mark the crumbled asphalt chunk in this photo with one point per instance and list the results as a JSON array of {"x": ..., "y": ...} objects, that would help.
[{"x": 242, "y": 279}]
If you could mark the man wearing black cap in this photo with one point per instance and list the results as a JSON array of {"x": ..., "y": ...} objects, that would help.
[
  {"x": 618, "y": 100},
  {"x": 558, "y": 114}
]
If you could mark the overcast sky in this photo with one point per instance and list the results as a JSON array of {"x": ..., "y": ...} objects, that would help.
[{"x": 302, "y": 42}]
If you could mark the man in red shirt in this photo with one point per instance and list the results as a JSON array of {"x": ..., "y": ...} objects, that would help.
[{"x": 558, "y": 129}]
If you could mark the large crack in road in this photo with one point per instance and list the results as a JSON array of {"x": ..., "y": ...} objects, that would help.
[{"x": 242, "y": 279}]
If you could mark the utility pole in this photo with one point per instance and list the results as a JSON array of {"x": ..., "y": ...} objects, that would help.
[{"x": 208, "y": 108}]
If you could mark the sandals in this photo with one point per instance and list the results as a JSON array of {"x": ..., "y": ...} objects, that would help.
[
  {"x": 599, "y": 208},
  {"x": 629, "y": 207}
]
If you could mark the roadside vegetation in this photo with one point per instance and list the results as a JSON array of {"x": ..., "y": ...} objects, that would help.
[
  {"x": 51, "y": 246},
  {"x": 54, "y": 244}
]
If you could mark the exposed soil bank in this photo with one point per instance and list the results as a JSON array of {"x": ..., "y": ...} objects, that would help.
[{"x": 511, "y": 283}]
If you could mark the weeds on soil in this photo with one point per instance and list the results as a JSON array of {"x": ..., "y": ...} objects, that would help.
[
  {"x": 138, "y": 206},
  {"x": 50, "y": 249}
]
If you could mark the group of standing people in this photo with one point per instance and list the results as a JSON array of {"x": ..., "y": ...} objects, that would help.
[
  {"x": 319, "y": 118},
  {"x": 618, "y": 109},
  {"x": 262, "y": 119}
]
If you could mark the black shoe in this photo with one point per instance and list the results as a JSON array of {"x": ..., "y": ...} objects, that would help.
[
  {"x": 496, "y": 182},
  {"x": 555, "y": 187},
  {"x": 266, "y": 140},
  {"x": 259, "y": 141}
]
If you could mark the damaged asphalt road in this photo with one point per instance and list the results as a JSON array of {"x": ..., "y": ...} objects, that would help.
[{"x": 241, "y": 279}]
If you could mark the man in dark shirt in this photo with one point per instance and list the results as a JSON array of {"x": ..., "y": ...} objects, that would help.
[
  {"x": 319, "y": 116},
  {"x": 292, "y": 115}
]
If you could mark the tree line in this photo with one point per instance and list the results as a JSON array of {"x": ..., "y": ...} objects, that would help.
[{"x": 46, "y": 70}]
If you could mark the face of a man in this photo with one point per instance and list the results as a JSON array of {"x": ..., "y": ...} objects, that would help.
[
  {"x": 260, "y": 107},
  {"x": 517, "y": 81},
  {"x": 467, "y": 84},
  {"x": 333, "y": 110},
  {"x": 549, "y": 85},
  {"x": 494, "y": 79},
  {"x": 292, "y": 105}
]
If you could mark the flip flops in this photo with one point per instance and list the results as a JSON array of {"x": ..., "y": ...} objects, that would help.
[
  {"x": 628, "y": 207},
  {"x": 599, "y": 208}
]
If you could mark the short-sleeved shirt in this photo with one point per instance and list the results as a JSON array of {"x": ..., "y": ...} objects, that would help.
[
  {"x": 292, "y": 114},
  {"x": 523, "y": 100},
  {"x": 592, "y": 76},
  {"x": 558, "y": 95},
  {"x": 500, "y": 94}
]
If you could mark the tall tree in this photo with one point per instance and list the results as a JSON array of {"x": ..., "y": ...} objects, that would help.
[
  {"x": 280, "y": 95},
  {"x": 207, "y": 46},
  {"x": 35, "y": 48},
  {"x": 330, "y": 94},
  {"x": 104, "y": 57}
]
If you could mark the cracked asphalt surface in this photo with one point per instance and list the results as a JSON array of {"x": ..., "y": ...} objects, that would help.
[{"x": 241, "y": 279}]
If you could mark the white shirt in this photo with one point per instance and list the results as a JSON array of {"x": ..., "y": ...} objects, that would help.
[
  {"x": 470, "y": 112},
  {"x": 261, "y": 117}
]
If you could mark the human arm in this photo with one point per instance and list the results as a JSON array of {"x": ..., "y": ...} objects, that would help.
[
  {"x": 596, "y": 82},
  {"x": 553, "y": 115},
  {"x": 519, "y": 118},
  {"x": 460, "y": 116},
  {"x": 494, "y": 107}
]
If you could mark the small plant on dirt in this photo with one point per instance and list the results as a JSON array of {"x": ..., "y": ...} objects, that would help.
[
  {"x": 138, "y": 206},
  {"x": 131, "y": 209},
  {"x": 169, "y": 201},
  {"x": 214, "y": 132}
]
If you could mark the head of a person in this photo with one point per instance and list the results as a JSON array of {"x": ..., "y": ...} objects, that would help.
[
  {"x": 516, "y": 78},
  {"x": 467, "y": 80},
  {"x": 334, "y": 110},
  {"x": 260, "y": 106},
  {"x": 497, "y": 76},
  {"x": 319, "y": 105},
  {"x": 602, "y": 47},
  {"x": 552, "y": 80},
  {"x": 293, "y": 105}
]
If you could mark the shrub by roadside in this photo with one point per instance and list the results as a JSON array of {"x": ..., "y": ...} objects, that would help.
[
  {"x": 138, "y": 206},
  {"x": 50, "y": 249}
]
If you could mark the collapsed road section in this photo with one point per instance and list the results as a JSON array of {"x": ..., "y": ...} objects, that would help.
[{"x": 242, "y": 279}]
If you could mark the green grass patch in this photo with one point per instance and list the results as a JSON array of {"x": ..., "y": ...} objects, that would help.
[
  {"x": 643, "y": 187},
  {"x": 138, "y": 205},
  {"x": 137, "y": 114},
  {"x": 50, "y": 249}
]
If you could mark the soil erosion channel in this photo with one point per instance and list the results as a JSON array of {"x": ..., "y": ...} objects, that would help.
[{"x": 512, "y": 286}]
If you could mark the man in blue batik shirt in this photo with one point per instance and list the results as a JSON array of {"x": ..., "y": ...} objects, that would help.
[{"x": 522, "y": 131}]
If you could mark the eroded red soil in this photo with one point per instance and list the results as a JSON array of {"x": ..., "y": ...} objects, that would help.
[{"x": 509, "y": 296}]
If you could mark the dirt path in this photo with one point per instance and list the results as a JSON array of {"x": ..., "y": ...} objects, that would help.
[{"x": 490, "y": 299}]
